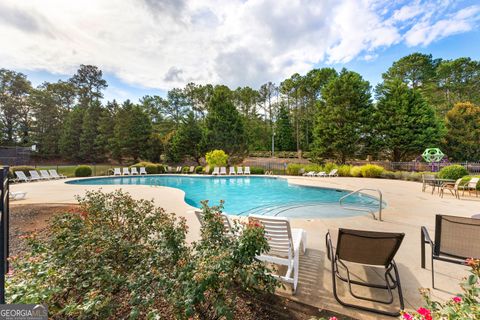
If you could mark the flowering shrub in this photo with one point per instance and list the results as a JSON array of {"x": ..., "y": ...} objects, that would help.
[
  {"x": 462, "y": 306},
  {"x": 116, "y": 257},
  {"x": 216, "y": 158}
]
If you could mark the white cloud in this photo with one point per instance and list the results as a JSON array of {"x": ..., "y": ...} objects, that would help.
[{"x": 167, "y": 43}]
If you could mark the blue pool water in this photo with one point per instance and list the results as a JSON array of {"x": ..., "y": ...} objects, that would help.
[{"x": 252, "y": 195}]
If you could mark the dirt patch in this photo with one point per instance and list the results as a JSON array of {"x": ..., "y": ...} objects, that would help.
[{"x": 27, "y": 219}]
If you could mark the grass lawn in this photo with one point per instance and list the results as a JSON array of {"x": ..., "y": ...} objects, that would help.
[{"x": 69, "y": 171}]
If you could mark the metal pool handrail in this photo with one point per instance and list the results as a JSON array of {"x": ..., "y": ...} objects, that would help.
[{"x": 362, "y": 209}]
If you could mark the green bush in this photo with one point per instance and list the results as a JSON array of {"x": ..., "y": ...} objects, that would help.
[
  {"x": 329, "y": 166},
  {"x": 313, "y": 167},
  {"x": 356, "y": 171},
  {"x": 151, "y": 168},
  {"x": 453, "y": 172},
  {"x": 198, "y": 169},
  {"x": 216, "y": 158},
  {"x": 344, "y": 170},
  {"x": 257, "y": 170},
  {"x": 293, "y": 169},
  {"x": 24, "y": 169},
  {"x": 83, "y": 171},
  {"x": 185, "y": 169},
  {"x": 89, "y": 266},
  {"x": 371, "y": 171},
  {"x": 388, "y": 175}
]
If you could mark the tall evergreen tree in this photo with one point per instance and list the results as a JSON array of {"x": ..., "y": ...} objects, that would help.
[
  {"x": 284, "y": 140},
  {"x": 344, "y": 120},
  {"x": 70, "y": 137},
  {"x": 405, "y": 123},
  {"x": 462, "y": 141},
  {"x": 224, "y": 126},
  {"x": 90, "y": 149},
  {"x": 187, "y": 140}
]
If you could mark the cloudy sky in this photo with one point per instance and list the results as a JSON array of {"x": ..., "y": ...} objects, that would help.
[{"x": 150, "y": 46}]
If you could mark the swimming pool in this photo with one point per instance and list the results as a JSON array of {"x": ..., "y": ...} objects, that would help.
[{"x": 244, "y": 195}]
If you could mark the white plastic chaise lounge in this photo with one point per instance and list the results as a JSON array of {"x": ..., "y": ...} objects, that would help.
[
  {"x": 216, "y": 171},
  {"x": 134, "y": 171},
  {"x": 321, "y": 174},
  {"x": 309, "y": 174},
  {"x": 55, "y": 175},
  {"x": 21, "y": 176},
  {"x": 191, "y": 170},
  {"x": 45, "y": 175},
  {"x": 247, "y": 170},
  {"x": 231, "y": 171},
  {"x": 333, "y": 173},
  {"x": 117, "y": 172},
  {"x": 286, "y": 245},
  {"x": 143, "y": 170},
  {"x": 34, "y": 175},
  {"x": 125, "y": 172},
  {"x": 239, "y": 170},
  {"x": 226, "y": 221},
  {"x": 223, "y": 171},
  {"x": 179, "y": 170},
  {"x": 17, "y": 195}
]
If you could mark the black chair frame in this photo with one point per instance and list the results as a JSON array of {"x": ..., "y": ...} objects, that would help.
[{"x": 395, "y": 283}]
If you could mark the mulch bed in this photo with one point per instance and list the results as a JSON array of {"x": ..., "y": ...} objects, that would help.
[{"x": 27, "y": 219}]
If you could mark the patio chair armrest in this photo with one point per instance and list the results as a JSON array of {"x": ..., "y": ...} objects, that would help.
[
  {"x": 424, "y": 238},
  {"x": 328, "y": 241}
]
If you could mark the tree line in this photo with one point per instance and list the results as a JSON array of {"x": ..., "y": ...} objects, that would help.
[{"x": 421, "y": 102}]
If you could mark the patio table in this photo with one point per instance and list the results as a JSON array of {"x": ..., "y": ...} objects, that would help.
[{"x": 437, "y": 183}]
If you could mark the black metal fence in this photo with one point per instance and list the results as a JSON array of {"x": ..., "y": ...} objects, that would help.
[{"x": 4, "y": 230}]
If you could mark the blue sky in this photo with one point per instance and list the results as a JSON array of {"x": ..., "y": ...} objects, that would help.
[{"x": 150, "y": 46}]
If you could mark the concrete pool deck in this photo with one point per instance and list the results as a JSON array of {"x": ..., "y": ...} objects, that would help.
[{"x": 408, "y": 208}]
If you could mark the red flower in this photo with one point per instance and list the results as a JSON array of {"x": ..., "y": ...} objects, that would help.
[
  {"x": 407, "y": 316},
  {"x": 427, "y": 315},
  {"x": 457, "y": 299},
  {"x": 332, "y": 318}
]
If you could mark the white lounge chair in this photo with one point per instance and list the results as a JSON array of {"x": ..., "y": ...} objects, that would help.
[
  {"x": 223, "y": 171},
  {"x": 34, "y": 175},
  {"x": 21, "y": 176},
  {"x": 143, "y": 170},
  {"x": 471, "y": 186},
  {"x": 333, "y": 173},
  {"x": 133, "y": 171},
  {"x": 55, "y": 175},
  {"x": 216, "y": 171},
  {"x": 309, "y": 174},
  {"x": 191, "y": 170},
  {"x": 239, "y": 170},
  {"x": 321, "y": 174},
  {"x": 226, "y": 222},
  {"x": 125, "y": 172},
  {"x": 231, "y": 171},
  {"x": 179, "y": 170},
  {"x": 285, "y": 244},
  {"x": 247, "y": 170},
  {"x": 117, "y": 172},
  {"x": 45, "y": 175},
  {"x": 17, "y": 195},
  {"x": 207, "y": 170}
]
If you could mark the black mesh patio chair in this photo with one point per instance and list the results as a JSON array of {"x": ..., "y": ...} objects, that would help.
[
  {"x": 369, "y": 248},
  {"x": 456, "y": 239}
]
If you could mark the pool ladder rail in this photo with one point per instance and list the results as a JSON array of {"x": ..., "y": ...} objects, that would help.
[{"x": 380, "y": 203}]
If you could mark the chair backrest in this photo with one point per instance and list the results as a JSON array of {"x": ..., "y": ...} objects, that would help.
[
  {"x": 226, "y": 222},
  {"x": 428, "y": 177},
  {"x": 54, "y": 173},
  {"x": 21, "y": 175},
  {"x": 247, "y": 170},
  {"x": 239, "y": 170},
  {"x": 368, "y": 247},
  {"x": 143, "y": 170},
  {"x": 473, "y": 182},
  {"x": 125, "y": 171},
  {"x": 34, "y": 174},
  {"x": 179, "y": 169},
  {"x": 231, "y": 170},
  {"x": 457, "y": 237},
  {"x": 334, "y": 171},
  {"x": 457, "y": 183},
  {"x": 207, "y": 169},
  {"x": 45, "y": 174},
  {"x": 216, "y": 170},
  {"x": 134, "y": 170},
  {"x": 192, "y": 169},
  {"x": 277, "y": 233},
  {"x": 223, "y": 170},
  {"x": 116, "y": 171}
]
